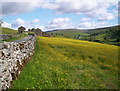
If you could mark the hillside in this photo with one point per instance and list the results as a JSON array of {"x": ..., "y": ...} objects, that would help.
[
  {"x": 7, "y": 31},
  {"x": 69, "y": 33},
  {"x": 62, "y": 63},
  {"x": 14, "y": 33},
  {"x": 108, "y": 35}
]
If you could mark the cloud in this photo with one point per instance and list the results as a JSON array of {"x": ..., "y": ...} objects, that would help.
[
  {"x": 93, "y": 8},
  {"x": 48, "y": 5},
  {"x": 59, "y": 23},
  {"x": 5, "y": 24},
  {"x": 84, "y": 19},
  {"x": 102, "y": 11},
  {"x": 13, "y": 8},
  {"x": 35, "y": 21},
  {"x": 40, "y": 27},
  {"x": 106, "y": 16},
  {"x": 75, "y": 6},
  {"x": 23, "y": 6},
  {"x": 28, "y": 24},
  {"x": 24, "y": 0},
  {"x": 92, "y": 25},
  {"x": 60, "y": 20},
  {"x": 18, "y": 22}
]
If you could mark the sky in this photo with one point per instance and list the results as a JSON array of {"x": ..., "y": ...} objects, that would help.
[{"x": 59, "y": 14}]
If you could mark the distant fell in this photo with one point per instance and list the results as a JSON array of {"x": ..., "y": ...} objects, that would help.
[{"x": 108, "y": 35}]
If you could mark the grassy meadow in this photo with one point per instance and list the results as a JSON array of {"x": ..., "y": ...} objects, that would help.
[
  {"x": 4, "y": 30},
  {"x": 62, "y": 63}
]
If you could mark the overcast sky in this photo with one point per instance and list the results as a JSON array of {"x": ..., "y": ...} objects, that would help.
[{"x": 59, "y": 14}]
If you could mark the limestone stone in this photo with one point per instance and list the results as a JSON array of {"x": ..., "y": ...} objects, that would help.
[{"x": 12, "y": 58}]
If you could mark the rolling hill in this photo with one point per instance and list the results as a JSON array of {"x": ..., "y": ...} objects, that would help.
[
  {"x": 108, "y": 35},
  {"x": 69, "y": 33},
  {"x": 63, "y": 63},
  {"x": 4, "y": 30}
]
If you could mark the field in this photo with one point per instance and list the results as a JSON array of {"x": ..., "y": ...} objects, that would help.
[
  {"x": 107, "y": 35},
  {"x": 61, "y": 63},
  {"x": 69, "y": 33}
]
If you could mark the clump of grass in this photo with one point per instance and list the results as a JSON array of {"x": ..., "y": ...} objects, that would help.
[{"x": 61, "y": 63}]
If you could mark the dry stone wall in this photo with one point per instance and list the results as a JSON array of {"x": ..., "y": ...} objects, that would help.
[
  {"x": 5, "y": 36},
  {"x": 13, "y": 57}
]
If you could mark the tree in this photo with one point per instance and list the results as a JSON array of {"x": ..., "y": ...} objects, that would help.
[
  {"x": 29, "y": 29},
  {"x": 105, "y": 38},
  {"x": 32, "y": 29},
  {"x": 1, "y": 22},
  {"x": 75, "y": 37}
]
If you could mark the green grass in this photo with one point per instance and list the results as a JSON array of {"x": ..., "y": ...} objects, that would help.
[
  {"x": 107, "y": 35},
  {"x": 7, "y": 31},
  {"x": 61, "y": 63},
  {"x": 70, "y": 33}
]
